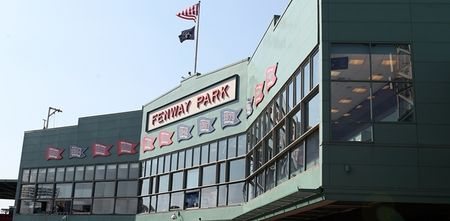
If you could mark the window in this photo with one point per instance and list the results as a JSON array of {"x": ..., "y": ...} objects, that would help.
[
  {"x": 176, "y": 201},
  {"x": 62, "y": 207},
  {"x": 192, "y": 178},
  {"x": 82, "y": 206},
  {"x": 111, "y": 171},
  {"x": 282, "y": 169},
  {"x": 26, "y": 207},
  {"x": 237, "y": 169},
  {"x": 191, "y": 199},
  {"x": 63, "y": 190},
  {"x": 370, "y": 83},
  {"x": 79, "y": 173},
  {"x": 43, "y": 206},
  {"x": 312, "y": 150},
  {"x": 180, "y": 160},
  {"x": 33, "y": 175},
  {"x": 59, "y": 174},
  {"x": 44, "y": 191},
  {"x": 174, "y": 161},
  {"x": 296, "y": 160},
  {"x": 154, "y": 166},
  {"x": 235, "y": 193},
  {"x": 242, "y": 144},
  {"x": 290, "y": 94},
  {"x": 89, "y": 174},
  {"x": 295, "y": 125},
  {"x": 127, "y": 188},
  {"x": 315, "y": 69},
  {"x": 167, "y": 163},
  {"x": 163, "y": 183},
  {"x": 103, "y": 206},
  {"x": 270, "y": 177},
  {"x": 104, "y": 189},
  {"x": 222, "y": 172},
  {"x": 222, "y": 149},
  {"x": 232, "y": 147},
  {"x": 209, "y": 175},
  {"x": 126, "y": 206},
  {"x": 161, "y": 165},
  {"x": 83, "y": 190},
  {"x": 209, "y": 197},
  {"x": 145, "y": 187},
  {"x": 144, "y": 205},
  {"x": 313, "y": 108},
  {"x": 163, "y": 203},
  {"x": 100, "y": 172},
  {"x": 177, "y": 181},
  {"x": 222, "y": 196},
  {"x": 50, "y": 175},
  {"x": 298, "y": 87},
  {"x": 25, "y": 176},
  {"x": 122, "y": 172},
  {"x": 205, "y": 154},
  {"x": 188, "y": 158},
  {"x": 213, "y": 152},
  {"x": 196, "y": 158},
  {"x": 41, "y": 175},
  {"x": 134, "y": 171},
  {"x": 70, "y": 171},
  {"x": 28, "y": 191}
]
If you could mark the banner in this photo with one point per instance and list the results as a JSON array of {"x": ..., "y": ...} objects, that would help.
[
  {"x": 271, "y": 78},
  {"x": 205, "y": 125},
  {"x": 230, "y": 117},
  {"x": 77, "y": 152},
  {"x": 101, "y": 150},
  {"x": 249, "y": 107},
  {"x": 259, "y": 93},
  {"x": 124, "y": 147},
  {"x": 53, "y": 153},
  {"x": 165, "y": 138},
  {"x": 148, "y": 144},
  {"x": 184, "y": 132}
]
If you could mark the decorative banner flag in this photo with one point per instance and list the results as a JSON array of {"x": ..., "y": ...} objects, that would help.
[
  {"x": 190, "y": 13},
  {"x": 148, "y": 144},
  {"x": 124, "y": 147},
  {"x": 259, "y": 93},
  {"x": 165, "y": 138},
  {"x": 205, "y": 125},
  {"x": 230, "y": 117},
  {"x": 188, "y": 34},
  {"x": 53, "y": 153},
  {"x": 100, "y": 150},
  {"x": 184, "y": 132},
  {"x": 77, "y": 152},
  {"x": 249, "y": 107},
  {"x": 271, "y": 77}
]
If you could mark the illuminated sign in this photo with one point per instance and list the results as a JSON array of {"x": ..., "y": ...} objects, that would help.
[{"x": 221, "y": 93}]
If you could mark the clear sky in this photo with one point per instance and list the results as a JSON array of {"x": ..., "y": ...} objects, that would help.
[{"x": 91, "y": 57}]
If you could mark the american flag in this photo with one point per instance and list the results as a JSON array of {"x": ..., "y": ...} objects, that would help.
[{"x": 190, "y": 13}]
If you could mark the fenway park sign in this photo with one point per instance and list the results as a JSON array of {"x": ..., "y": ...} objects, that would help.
[{"x": 195, "y": 103}]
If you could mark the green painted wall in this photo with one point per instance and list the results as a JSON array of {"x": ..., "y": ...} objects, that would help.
[{"x": 407, "y": 162}]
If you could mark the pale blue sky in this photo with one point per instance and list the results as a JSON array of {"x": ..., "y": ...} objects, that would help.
[{"x": 90, "y": 57}]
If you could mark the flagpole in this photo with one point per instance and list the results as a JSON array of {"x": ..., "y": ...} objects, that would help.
[{"x": 196, "y": 39}]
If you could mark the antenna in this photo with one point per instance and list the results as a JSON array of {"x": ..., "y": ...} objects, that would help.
[{"x": 51, "y": 111}]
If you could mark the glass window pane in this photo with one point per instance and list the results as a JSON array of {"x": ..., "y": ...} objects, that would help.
[
  {"x": 213, "y": 152},
  {"x": 103, "y": 206},
  {"x": 176, "y": 201},
  {"x": 209, "y": 197},
  {"x": 100, "y": 172},
  {"x": 191, "y": 199},
  {"x": 25, "y": 176},
  {"x": 350, "y": 62},
  {"x": 163, "y": 183},
  {"x": 222, "y": 172},
  {"x": 145, "y": 187},
  {"x": 148, "y": 169},
  {"x": 111, "y": 172},
  {"x": 296, "y": 125},
  {"x": 298, "y": 86},
  {"x": 205, "y": 154},
  {"x": 237, "y": 169},
  {"x": 315, "y": 69},
  {"x": 104, "y": 189},
  {"x": 43, "y": 206},
  {"x": 160, "y": 164},
  {"x": 174, "y": 161},
  {"x": 142, "y": 171},
  {"x": 290, "y": 94},
  {"x": 393, "y": 101},
  {"x": 281, "y": 138},
  {"x": 283, "y": 103},
  {"x": 126, "y": 206},
  {"x": 62, "y": 207},
  {"x": 232, "y": 147},
  {"x": 153, "y": 204},
  {"x": 122, "y": 172},
  {"x": 282, "y": 169},
  {"x": 359, "y": 132},
  {"x": 144, "y": 205},
  {"x": 312, "y": 150},
  {"x": 89, "y": 174},
  {"x": 79, "y": 173},
  {"x": 41, "y": 175},
  {"x": 33, "y": 175},
  {"x": 196, "y": 158},
  {"x": 270, "y": 177},
  {"x": 70, "y": 171},
  {"x": 59, "y": 174},
  {"x": 391, "y": 62},
  {"x": 26, "y": 207},
  {"x": 297, "y": 160},
  {"x": 192, "y": 178},
  {"x": 154, "y": 166},
  {"x": 167, "y": 163},
  {"x": 188, "y": 158},
  {"x": 134, "y": 171},
  {"x": 127, "y": 188},
  {"x": 177, "y": 181},
  {"x": 235, "y": 193},
  {"x": 222, "y": 150},
  {"x": 27, "y": 191},
  {"x": 82, "y": 206},
  {"x": 51, "y": 174},
  {"x": 268, "y": 120},
  {"x": 44, "y": 191},
  {"x": 181, "y": 160},
  {"x": 63, "y": 190},
  {"x": 259, "y": 157},
  {"x": 163, "y": 203},
  {"x": 242, "y": 145},
  {"x": 83, "y": 190},
  {"x": 222, "y": 196},
  {"x": 209, "y": 175},
  {"x": 313, "y": 112},
  {"x": 270, "y": 152}
]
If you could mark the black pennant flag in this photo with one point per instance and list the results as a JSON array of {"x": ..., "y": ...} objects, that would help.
[{"x": 187, "y": 34}]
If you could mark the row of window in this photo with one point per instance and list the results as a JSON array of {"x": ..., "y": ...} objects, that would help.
[
  {"x": 81, "y": 173},
  {"x": 369, "y": 83},
  {"x": 212, "y": 152}
]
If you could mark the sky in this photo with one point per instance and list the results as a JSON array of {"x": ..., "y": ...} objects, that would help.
[{"x": 92, "y": 57}]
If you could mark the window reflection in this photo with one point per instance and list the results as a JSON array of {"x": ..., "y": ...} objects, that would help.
[
  {"x": 209, "y": 175},
  {"x": 191, "y": 199},
  {"x": 297, "y": 160},
  {"x": 209, "y": 197},
  {"x": 176, "y": 201},
  {"x": 236, "y": 193},
  {"x": 350, "y": 62}
]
